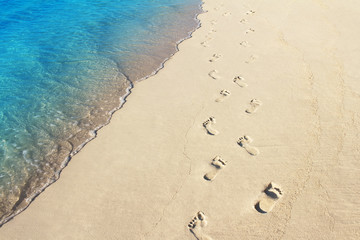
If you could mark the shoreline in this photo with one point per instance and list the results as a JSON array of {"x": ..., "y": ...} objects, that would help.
[
  {"x": 280, "y": 161},
  {"x": 122, "y": 100}
]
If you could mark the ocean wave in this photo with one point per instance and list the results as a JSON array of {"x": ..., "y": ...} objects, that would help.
[{"x": 65, "y": 75}]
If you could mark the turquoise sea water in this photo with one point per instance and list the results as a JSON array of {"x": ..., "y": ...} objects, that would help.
[{"x": 64, "y": 66}]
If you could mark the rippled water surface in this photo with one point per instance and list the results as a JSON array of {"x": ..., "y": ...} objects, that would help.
[{"x": 64, "y": 65}]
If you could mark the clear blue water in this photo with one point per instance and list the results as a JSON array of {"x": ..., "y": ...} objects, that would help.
[{"x": 64, "y": 64}]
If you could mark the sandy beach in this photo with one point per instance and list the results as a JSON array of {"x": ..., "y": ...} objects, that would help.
[{"x": 251, "y": 131}]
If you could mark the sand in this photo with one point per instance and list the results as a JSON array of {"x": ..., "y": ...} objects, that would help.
[{"x": 150, "y": 173}]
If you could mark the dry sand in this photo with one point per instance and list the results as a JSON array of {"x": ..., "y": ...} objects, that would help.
[{"x": 143, "y": 176}]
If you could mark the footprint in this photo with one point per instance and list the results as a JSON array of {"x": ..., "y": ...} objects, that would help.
[
  {"x": 218, "y": 164},
  {"x": 246, "y": 138},
  {"x": 215, "y": 57},
  {"x": 224, "y": 94},
  {"x": 227, "y": 14},
  {"x": 214, "y": 74},
  {"x": 250, "y": 30},
  {"x": 219, "y": 7},
  {"x": 196, "y": 226},
  {"x": 245, "y": 44},
  {"x": 272, "y": 194},
  {"x": 212, "y": 31},
  {"x": 254, "y": 105},
  {"x": 243, "y": 21},
  {"x": 251, "y": 59},
  {"x": 208, "y": 126},
  {"x": 205, "y": 43},
  {"x": 213, "y": 22},
  {"x": 250, "y": 12},
  {"x": 245, "y": 143},
  {"x": 240, "y": 81}
]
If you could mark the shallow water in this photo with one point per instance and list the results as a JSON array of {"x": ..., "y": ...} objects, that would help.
[{"x": 63, "y": 67}]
